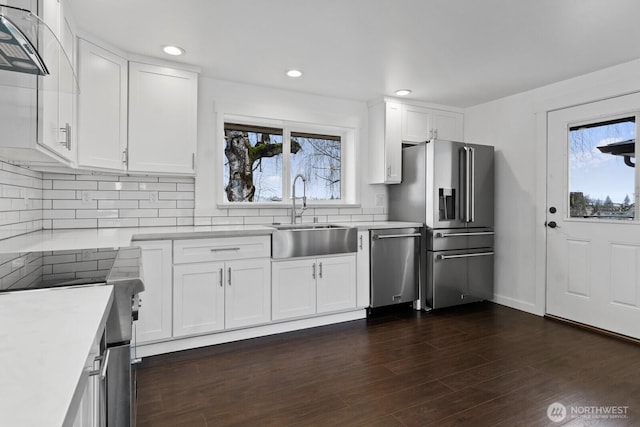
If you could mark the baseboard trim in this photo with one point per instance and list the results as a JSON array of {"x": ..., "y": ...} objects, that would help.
[
  {"x": 593, "y": 329},
  {"x": 178, "y": 344}
]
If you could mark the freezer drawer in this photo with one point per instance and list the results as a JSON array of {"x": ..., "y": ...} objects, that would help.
[
  {"x": 395, "y": 265},
  {"x": 458, "y": 277},
  {"x": 445, "y": 239}
]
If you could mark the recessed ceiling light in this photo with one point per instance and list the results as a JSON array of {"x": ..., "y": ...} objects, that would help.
[
  {"x": 403, "y": 92},
  {"x": 173, "y": 50},
  {"x": 294, "y": 73}
]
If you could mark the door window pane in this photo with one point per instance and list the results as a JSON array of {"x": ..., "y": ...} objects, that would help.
[
  {"x": 319, "y": 159},
  {"x": 601, "y": 169}
]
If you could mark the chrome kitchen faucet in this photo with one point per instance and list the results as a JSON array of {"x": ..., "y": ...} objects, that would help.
[{"x": 294, "y": 212}]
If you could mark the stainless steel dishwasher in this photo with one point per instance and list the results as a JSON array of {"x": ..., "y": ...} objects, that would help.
[{"x": 395, "y": 265}]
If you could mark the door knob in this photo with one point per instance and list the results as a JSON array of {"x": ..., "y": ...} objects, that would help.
[{"x": 552, "y": 224}]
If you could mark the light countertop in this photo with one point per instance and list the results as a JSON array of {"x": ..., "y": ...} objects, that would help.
[
  {"x": 45, "y": 339},
  {"x": 67, "y": 239}
]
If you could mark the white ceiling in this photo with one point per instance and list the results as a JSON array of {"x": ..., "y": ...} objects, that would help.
[{"x": 451, "y": 52}]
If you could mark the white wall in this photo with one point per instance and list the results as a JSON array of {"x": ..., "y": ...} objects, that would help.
[
  {"x": 222, "y": 97},
  {"x": 516, "y": 126}
]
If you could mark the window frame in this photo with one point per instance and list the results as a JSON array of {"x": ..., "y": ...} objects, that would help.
[{"x": 348, "y": 190}]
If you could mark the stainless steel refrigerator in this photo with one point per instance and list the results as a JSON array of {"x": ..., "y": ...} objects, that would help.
[{"x": 449, "y": 186}]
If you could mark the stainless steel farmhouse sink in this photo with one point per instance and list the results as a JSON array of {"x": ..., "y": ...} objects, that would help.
[{"x": 298, "y": 240}]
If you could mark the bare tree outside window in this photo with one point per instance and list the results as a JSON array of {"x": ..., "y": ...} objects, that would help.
[
  {"x": 599, "y": 182},
  {"x": 254, "y": 163},
  {"x": 320, "y": 161}
]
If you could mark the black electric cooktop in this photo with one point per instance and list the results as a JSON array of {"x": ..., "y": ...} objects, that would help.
[{"x": 49, "y": 269}]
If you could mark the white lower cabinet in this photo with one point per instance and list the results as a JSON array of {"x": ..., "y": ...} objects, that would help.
[
  {"x": 154, "y": 320},
  {"x": 363, "y": 270},
  {"x": 209, "y": 297},
  {"x": 293, "y": 288},
  {"x": 308, "y": 286},
  {"x": 198, "y": 298}
]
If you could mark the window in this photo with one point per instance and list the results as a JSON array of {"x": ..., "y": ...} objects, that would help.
[
  {"x": 261, "y": 163},
  {"x": 601, "y": 169}
]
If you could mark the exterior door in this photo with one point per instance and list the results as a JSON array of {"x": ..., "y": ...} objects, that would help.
[{"x": 593, "y": 238}]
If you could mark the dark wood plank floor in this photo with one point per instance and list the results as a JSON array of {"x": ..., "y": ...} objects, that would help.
[{"x": 476, "y": 365}]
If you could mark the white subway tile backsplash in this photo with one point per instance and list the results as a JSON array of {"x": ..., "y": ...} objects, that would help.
[
  {"x": 158, "y": 222},
  {"x": 178, "y": 213},
  {"x": 175, "y": 195},
  {"x": 117, "y": 204},
  {"x": 202, "y": 220},
  {"x": 97, "y": 213},
  {"x": 58, "y": 214},
  {"x": 138, "y": 213},
  {"x": 158, "y": 204},
  {"x": 158, "y": 186},
  {"x": 185, "y": 221},
  {"x": 75, "y": 185},
  {"x": 117, "y": 186},
  {"x": 135, "y": 195},
  {"x": 111, "y": 223},
  {"x": 59, "y": 194},
  {"x": 74, "y": 204},
  {"x": 74, "y": 223},
  {"x": 95, "y": 177},
  {"x": 185, "y": 204}
]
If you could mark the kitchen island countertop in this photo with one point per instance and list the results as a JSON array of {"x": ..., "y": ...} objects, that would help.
[{"x": 46, "y": 337}]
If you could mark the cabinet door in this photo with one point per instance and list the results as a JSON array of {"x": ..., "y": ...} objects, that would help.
[
  {"x": 416, "y": 124},
  {"x": 102, "y": 107},
  {"x": 447, "y": 125},
  {"x": 198, "y": 298},
  {"x": 248, "y": 292},
  {"x": 393, "y": 143},
  {"x": 293, "y": 288},
  {"x": 336, "y": 288},
  {"x": 56, "y": 91},
  {"x": 162, "y": 119},
  {"x": 362, "y": 270},
  {"x": 154, "y": 320}
]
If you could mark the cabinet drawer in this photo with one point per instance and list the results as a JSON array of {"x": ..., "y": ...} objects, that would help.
[{"x": 221, "y": 249}]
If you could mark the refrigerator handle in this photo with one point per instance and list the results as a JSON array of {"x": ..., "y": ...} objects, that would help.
[
  {"x": 467, "y": 185},
  {"x": 472, "y": 185}
]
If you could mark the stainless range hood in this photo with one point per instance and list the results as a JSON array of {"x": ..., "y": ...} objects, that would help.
[
  {"x": 31, "y": 54},
  {"x": 20, "y": 33},
  {"x": 17, "y": 52}
]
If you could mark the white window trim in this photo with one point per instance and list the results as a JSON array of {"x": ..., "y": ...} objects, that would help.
[{"x": 348, "y": 185}]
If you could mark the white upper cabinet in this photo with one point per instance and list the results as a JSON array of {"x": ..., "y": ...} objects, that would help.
[
  {"x": 135, "y": 117},
  {"x": 392, "y": 123},
  {"x": 102, "y": 108},
  {"x": 57, "y": 90},
  {"x": 37, "y": 112},
  {"x": 420, "y": 124},
  {"x": 385, "y": 143},
  {"x": 162, "y": 119}
]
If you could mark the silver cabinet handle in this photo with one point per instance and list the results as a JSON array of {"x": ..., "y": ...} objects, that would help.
[
  {"x": 395, "y": 236},
  {"x": 221, "y": 274},
  {"x": 67, "y": 136},
  {"x": 443, "y": 257},
  {"x": 229, "y": 277},
  {"x": 104, "y": 364},
  {"x": 320, "y": 271},
  {"x": 389, "y": 171},
  {"x": 125, "y": 156},
  {"x": 478, "y": 233},
  {"x": 224, "y": 249},
  {"x": 313, "y": 272},
  {"x": 472, "y": 195},
  {"x": 361, "y": 247},
  {"x": 193, "y": 161}
]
